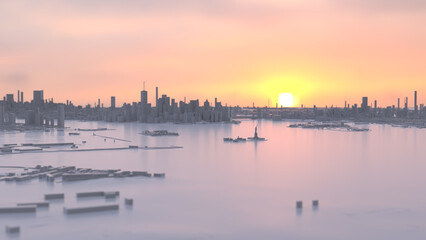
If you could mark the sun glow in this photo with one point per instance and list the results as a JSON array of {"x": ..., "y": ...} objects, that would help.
[{"x": 286, "y": 99}]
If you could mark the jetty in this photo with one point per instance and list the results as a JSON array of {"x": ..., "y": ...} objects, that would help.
[
  {"x": 91, "y": 209},
  {"x": 328, "y": 126},
  {"x": 71, "y": 174},
  {"x": 113, "y": 138}
]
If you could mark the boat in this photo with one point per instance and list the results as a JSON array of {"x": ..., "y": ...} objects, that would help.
[
  {"x": 156, "y": 133},
  {"x": 238, "y": 139},
  {"x": 256, "y": 137},
  {"x": 73, "y": 134}
]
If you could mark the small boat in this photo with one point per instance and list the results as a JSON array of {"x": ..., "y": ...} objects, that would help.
[
  {"x": 73, "y": 133},
  {"x": 238, "y": 139}
]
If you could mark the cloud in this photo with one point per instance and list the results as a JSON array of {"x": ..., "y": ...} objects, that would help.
[
  {"x": 14, "y": 78},
  {"x": 380, "y": 6}
]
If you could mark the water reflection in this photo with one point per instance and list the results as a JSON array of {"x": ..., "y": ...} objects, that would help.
[{"x": 231, "y": 190}]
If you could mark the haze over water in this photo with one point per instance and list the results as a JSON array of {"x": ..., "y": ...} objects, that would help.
[{"x": 368, "y": 183}]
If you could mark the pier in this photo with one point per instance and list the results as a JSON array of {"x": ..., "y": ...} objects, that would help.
[
  {"x": 71, "y": 173},
  {"x": 22, "y": 209},
  {"x": 130, "y": 147},
  {"x": 100, "y": 208},
  {"x": 113, "y": 138}
]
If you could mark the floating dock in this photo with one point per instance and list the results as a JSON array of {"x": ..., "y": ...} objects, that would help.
[
  {"x": 111, "y": 194},
  {"x": 37, "y": 204},
  {"x": 26, "y": 209},
  {"x": 71, "y": 173},
  {"x": 90, "y": 194},
  {"x": 91, "y": 209},
  {"x": 159, "y": 175},
  {"x": 128, "y": 201},
  {"x": 53, "y": 196},
  {"x": 13, "y": 229},
  {"x": 68, "y": 177}
]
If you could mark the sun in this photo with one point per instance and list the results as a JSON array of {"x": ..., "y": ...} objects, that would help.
[{"x": 286, "y": 99}]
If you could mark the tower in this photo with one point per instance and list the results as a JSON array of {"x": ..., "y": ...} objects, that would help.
[
  {"x": 61, "y": 115},
  {"x": 415, "y": 102},
  {"x": 112, "y": 102},
  {"x": 364, "y": 104},
  {"x": 38, "y": 99},
  {"x": 406, "y": 103},
  {"x": 156, "y": 96}
]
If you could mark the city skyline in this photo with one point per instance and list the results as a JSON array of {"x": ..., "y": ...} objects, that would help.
[
  {"x": 212, "y": 119},
  {"x": 413, "y": 98},
  {"x": 241, "y": 52}
]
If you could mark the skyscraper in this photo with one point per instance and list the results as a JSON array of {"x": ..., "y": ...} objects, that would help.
[
  {"x": 144, "y": 98},
  {"x": 415, "y": 101},
  {"x": 38, "y": 99},
  {"x": 9, "y": 98},
  {"x": 61, "y": 115},
  {"x": 406, "y": 103},
  {"x": 156, "y": 96},
  {"x": 112, "y": 102},
  {"x": 1, "y": 114},
  {"x": 364, "y": 104}
]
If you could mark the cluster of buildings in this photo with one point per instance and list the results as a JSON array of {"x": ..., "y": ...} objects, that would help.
[
  {"x": 38, "y": 112},
  {"x": 166, "y": 109},
  {"x": 44, "y": 112},
  {"x": 401, "y": 112}
]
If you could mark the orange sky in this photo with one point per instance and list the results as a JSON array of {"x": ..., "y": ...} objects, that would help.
[{"x": 241, "y": 51}]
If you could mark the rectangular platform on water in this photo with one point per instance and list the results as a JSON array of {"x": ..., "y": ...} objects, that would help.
[
  {"x": 90, "y": 194},
  {"x": 99, "y": 208},
  {"x": 52, "y": 196},
  {"x": 26, "y": 209},
  {"x": 37, "y": 204}
]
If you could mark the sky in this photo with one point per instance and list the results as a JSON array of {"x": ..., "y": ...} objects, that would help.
[{"x": 241, "y": 51}]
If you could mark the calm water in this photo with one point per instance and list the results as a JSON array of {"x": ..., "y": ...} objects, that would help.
[{"x": 370, "y": 185}]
